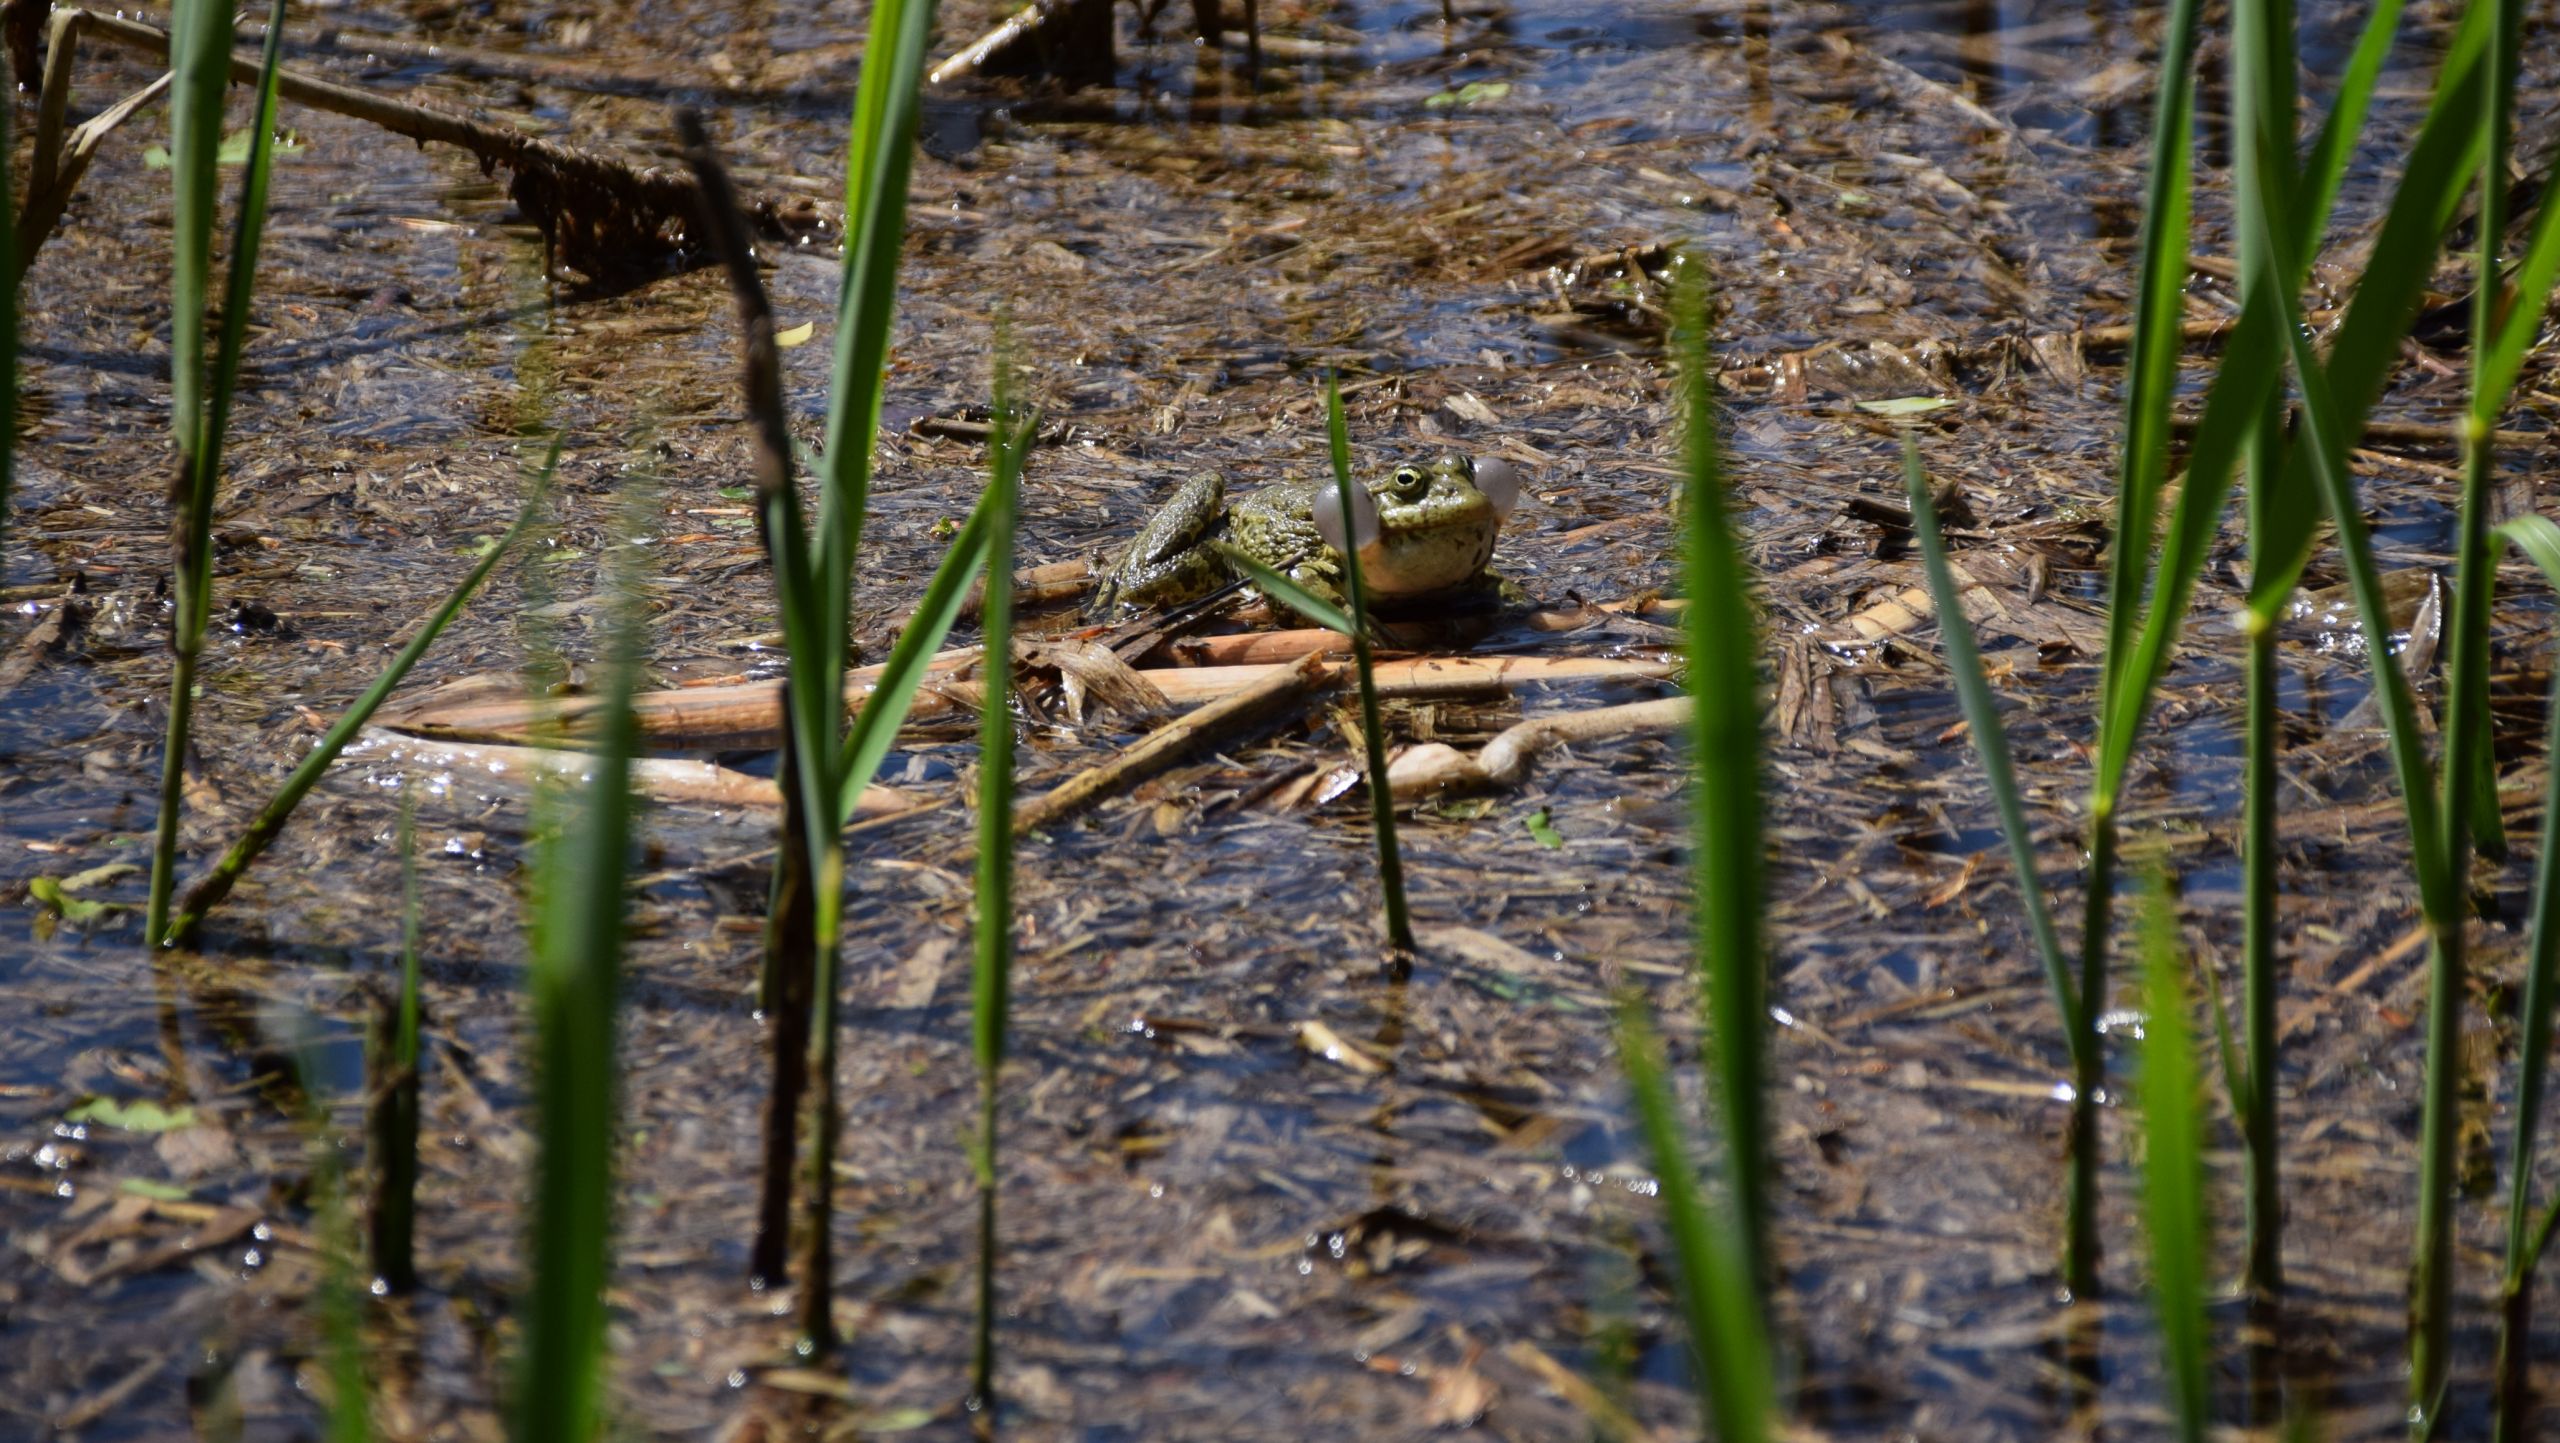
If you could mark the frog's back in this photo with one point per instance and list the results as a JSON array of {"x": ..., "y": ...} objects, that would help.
[{"x": 1276, "y": 525}]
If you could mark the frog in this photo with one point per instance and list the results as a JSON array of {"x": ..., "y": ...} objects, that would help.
[{"x": 1423, "y": 530}]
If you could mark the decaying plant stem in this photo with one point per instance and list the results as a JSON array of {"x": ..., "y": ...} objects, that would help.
[{"x": 598, "y": 215}]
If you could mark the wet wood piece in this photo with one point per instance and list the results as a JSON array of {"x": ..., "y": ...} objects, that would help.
[
  {"x": 1068, "y": 39},
  {"x": 666, "y": 779},
  {"x": 747, "y": 714},
  {"x": 1281, "y": 690},
  {"x": 1053, "y": 583},
  {"x": 1999, "y": 597},
  {"x": 1504, "y": 762}
]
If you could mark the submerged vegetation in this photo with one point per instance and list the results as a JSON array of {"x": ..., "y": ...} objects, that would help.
[{"x": 1236, "y": 1129}]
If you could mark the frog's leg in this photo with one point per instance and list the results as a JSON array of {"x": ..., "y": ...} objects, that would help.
[
  {"x": 1169, "y": 562},
  {"x": 1321, "y": 575}
]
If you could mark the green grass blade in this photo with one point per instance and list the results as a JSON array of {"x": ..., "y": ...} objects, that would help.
[
  {"x": 1286, "y": 592},
  {"x": 2262, "y": 92},
  {"x": 2528, "y": 299},
  {"x": 2473, "y": 764},
  {"x": 2325, "y": 445},
  {"x": 396, "y": 1110},
  {"x": 2470, "y": 781},
  {"x": 2539, "y": 539},
  {"x": 2252, "y": 364},
  {"x": 341, "y": 1301},
  {"x": 2151, "y": 380},
  {"x": 2541, "y": 1238},
  {"x": 200, "y": 65},
  {"x": 239, "y": 283},
  {"x": 1382, "y": 801},
  {"x": 812, "y": 627},
  {"x": 1725, "y": 748},
  {"x": 2424, "y": 204},
  {"x": 875, "y": 727},
  {"x": 2325, "y": 167},
  {"x": 574, "y": 980},
  {"x": 214, "y": 886},
  {"x": 879, "y": 153},
  {"x": 2441, "y": 163},
  {"x": 1990, "y": 743},
  {"x": 2436, "y": 858},
  {"x": 200, "y": 75},
  {"x": 2235, "y": 1084},
  {"x": 991, "y": 991},
  {"x": 2173, "y": 1169},
  {"x": 2074, "y": 1002},
  {"x": 1727, "y": 1336}
]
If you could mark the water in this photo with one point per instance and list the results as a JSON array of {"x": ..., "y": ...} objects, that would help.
[{"x": 1178, "y": 261}]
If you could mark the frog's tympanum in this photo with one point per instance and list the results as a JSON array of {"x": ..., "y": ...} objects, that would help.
[{"x": 1421, "y": 531}]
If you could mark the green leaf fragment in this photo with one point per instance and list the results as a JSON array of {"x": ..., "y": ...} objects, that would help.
[
  {"x": 233, "y": 151},
  {"x": 143, "y": 1116},
  {"x": 1544, "y": 830},
  {"x": 1469, "y": 94},
  {"x": 55, "y": 896},
  {"x": 155, "y": 1190},
  {"x": 97, "y": 876},
  {"x": 1905, "y": 406}
]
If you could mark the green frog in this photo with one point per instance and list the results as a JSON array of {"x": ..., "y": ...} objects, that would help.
[{"x": 1420, "y": 530}]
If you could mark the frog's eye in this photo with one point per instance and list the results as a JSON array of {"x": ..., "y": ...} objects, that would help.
[
  {"x": 1409, "y": 483},
  {"x": 1363, "y": 530},
  {"x": 1499, "y": 480}
]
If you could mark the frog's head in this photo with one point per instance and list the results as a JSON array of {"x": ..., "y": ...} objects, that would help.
[{"x": 1423, "y": 528}]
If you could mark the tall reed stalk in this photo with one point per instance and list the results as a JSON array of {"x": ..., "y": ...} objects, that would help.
[
  {"x": 200, "y": 63},
  {"x": 394, "y": 1123},
  {"x": 991, "y": 993},
  {"x": 2499, "y": 344},
  {"x": 1725, "y": 747},
  {"x": 2445, "y": 808},
  {"x": 2467, "y": 756},
  {"x": 1719, "y": 1233},
  {"x": 2254, "y": 1102},
  {"x": 813, "y": 581},
  {"x": 1351, "y": 618},
  {"x": 2527, "y": 1239},
  {"x": 574, "y": 984},
  {"x": 2148, "y": 592},
  {"x": 1711, "y": 1262},
  {"x": 1373, "y": 742}
]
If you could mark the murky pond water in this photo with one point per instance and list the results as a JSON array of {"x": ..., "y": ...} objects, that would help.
[{"x": 1210, "y": 1229}]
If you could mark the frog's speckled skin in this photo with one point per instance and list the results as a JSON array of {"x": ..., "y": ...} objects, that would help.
[{"x": 1435, "y": 534}]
